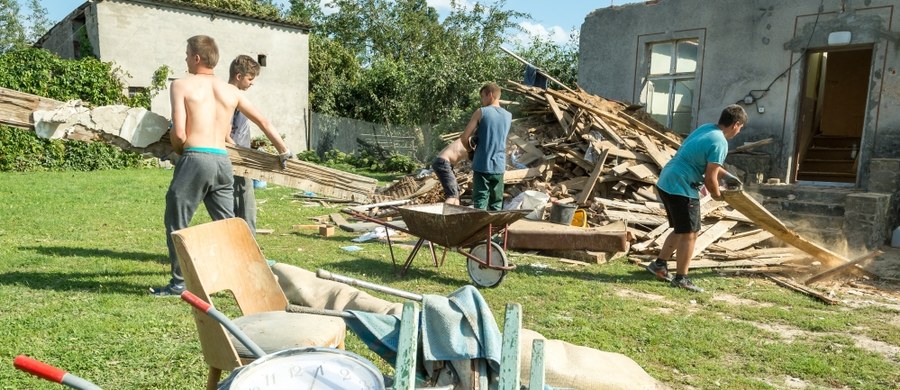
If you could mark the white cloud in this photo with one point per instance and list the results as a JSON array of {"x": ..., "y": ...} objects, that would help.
[
  {"x": 444, "y": 5},
  {"x": 555, "y": 34},
  {"x": 323, "y": 4}
]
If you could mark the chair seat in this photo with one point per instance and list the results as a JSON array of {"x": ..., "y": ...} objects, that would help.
[{"x": 279, "y": 330}]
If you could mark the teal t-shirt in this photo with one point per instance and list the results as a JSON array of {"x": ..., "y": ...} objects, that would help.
[
  {"x": 683, "y": 175},
  {"x": 492, "y": 130}
]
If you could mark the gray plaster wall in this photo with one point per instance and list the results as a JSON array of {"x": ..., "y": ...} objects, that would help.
[
  {"x": 746, "y": 45},
  {"x": 141, "y": 36}
]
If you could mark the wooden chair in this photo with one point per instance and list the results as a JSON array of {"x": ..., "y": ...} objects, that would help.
[{"x": 223, "y": 255}]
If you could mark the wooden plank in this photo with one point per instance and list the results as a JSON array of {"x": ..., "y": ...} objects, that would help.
[
  {"x": 743, "y": 242},
  {"x": 660, "y": 158},
  {"x": 405, "y": 378},
  {"x": 16, "y": 107},
  {"x": 322, "y": 180},
  {"x": 510, "y": 358},
  {"x": 711, "y": 235},
  {"x": 616, "y": 151},
  {"x": 589, "y": 186},
  {"x": 536, "y": 377},
  {"x": 557, "y": 113},
  {"x": 647, "y": 129},
  {"x": 830, "y": 273},
  {"x": 607, "y": 130},
  {"x": 784, "y": 282},
  {"x": 633, "y": 217},
  {"x": 747, "y": 206},
  {"x": 519, "y": 175},
  {"x": 643, "y": 171}
]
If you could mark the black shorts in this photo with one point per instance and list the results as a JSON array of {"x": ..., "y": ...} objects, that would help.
[{"x": 683, "y": 212}]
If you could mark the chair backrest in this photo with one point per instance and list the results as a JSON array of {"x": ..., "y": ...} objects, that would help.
[{"x": 218, "y": 256}]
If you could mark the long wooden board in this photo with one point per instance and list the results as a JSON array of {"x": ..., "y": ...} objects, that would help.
[
  {"x": 301, "y": 175},
  {"x": 740, "y": 201}
]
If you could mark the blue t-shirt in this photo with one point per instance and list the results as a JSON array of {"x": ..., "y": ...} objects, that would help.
[
  {"x": 683, "y": 175},
  {"x": 490, "y": 153}
]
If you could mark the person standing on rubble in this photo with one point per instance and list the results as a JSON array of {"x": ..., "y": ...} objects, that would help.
[
  {"x": 241, "y": 74},
  {"x": 202, "y": 108},
  {"x": 490, "y": 127},
  {"x": 698, "y": 162}
]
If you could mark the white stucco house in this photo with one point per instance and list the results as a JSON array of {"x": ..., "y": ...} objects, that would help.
[{"x": 140, "y": 36}]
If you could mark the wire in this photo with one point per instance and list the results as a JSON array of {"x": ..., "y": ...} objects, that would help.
[{"x": 791, "y": 66}]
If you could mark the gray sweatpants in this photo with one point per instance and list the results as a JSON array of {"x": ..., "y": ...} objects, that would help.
[
  {"x": 199, "y": 176},
  {"x": 245, "y": 201}
]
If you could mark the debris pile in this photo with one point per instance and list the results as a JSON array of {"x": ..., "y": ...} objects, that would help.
[{"x": 605, "y": 156}]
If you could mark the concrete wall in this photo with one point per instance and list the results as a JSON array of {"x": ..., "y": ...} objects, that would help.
[
  {"x": 140, "y": 36},
  {"x": 745, "y": 46}
]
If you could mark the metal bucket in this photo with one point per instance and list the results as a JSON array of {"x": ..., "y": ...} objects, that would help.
[
  {"x": 306, "y": 368},
  {"x": 562, "y": 213}
]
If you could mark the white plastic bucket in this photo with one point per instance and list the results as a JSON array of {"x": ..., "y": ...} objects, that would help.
[{"x": 535, "y": 201}]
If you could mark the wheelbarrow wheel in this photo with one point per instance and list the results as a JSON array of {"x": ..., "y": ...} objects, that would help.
[{"x": 482, "y": 275}]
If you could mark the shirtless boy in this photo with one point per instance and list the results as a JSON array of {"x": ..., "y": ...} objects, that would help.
[
  {"x": 443, "y": 168},
  {"x": 202, "y": 108}
]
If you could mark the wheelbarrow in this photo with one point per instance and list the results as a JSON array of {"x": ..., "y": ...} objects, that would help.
[{"x": 456, "y": 228}]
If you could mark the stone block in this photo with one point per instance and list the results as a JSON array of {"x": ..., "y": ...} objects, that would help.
[{"x": 867, "y": 220}]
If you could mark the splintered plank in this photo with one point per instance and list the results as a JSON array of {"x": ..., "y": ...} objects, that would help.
[
  {"x": 787, "y": 283},
  {"x": 589, "y": 185},
  {"x": 747, "y": 206},
  {"x": 650, "y": 237},
  {"x": 738, "y": 243},
  {"x": 647, "y": 129},
  {"x": 711, "y": 235}
]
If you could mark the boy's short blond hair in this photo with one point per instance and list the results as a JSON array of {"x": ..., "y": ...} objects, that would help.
[{"x": 205, "y": 47}]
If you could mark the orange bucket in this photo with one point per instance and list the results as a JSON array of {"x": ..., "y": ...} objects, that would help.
[{"x": 580, "y": 218}]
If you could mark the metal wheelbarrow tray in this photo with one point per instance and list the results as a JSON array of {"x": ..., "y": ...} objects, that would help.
[{"x": 455, "y": 228}]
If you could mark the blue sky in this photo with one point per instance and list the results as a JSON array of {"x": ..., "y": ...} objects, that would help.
[{"x": 551, "y": 18}]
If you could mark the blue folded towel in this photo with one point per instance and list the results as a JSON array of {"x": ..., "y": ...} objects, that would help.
[{"x": 460, "y": 326}]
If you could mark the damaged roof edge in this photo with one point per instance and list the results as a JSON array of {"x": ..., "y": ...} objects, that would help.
[
  {"x": 303, "y": 27},
  {"x": 626, "y": 5}
]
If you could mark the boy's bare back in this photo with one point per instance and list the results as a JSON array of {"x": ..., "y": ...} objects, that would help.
[{"x": 205, "y": 104}]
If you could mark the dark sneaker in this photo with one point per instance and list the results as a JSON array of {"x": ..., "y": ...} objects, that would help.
[
  {"x": 686, "y": 284},
  {"x": 660, "y": 271},
  {"x": 171, "y": 290}
]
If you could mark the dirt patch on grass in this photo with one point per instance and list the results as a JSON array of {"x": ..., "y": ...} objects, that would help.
[
  {"x": 789, "y": 334},
  {"x": 663, "y": 306},
  {"x": 735, "y": 300}
]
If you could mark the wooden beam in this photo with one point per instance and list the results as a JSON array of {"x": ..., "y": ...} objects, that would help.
[
  {"x": 835, "y": 271},
  {"x": 647, "y": 129},
  {"x": 557, "y": 113},
  {"x": 589, "y": 185},
  {"x": 801, "y": 288},
  {"x": 747, "y": 206}
]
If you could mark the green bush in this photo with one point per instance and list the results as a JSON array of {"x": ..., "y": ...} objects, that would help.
[
  {"x": 361, "y": 160},
  {"x": 23, "y": 151}
]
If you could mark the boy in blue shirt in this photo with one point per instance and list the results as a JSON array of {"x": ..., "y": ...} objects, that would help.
[
  {"x": 698, "y": 162},
  {"x": 490, "y": 125}
]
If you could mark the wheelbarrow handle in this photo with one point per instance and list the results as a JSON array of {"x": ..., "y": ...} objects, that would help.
[
  {"x": 205, "y": 307},
  {"x": 52, "y": 374}
]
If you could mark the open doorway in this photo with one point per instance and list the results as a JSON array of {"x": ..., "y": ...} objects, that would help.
[{"x": 832, "y": 115}]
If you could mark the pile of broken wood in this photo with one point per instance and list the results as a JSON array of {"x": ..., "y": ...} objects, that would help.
[{"x": 606, "y": 156}]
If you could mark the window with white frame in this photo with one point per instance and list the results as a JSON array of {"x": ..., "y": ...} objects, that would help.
[{"x": 669, "y": 87}]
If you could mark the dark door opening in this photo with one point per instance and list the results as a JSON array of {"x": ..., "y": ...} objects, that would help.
[{"x": 832, "y": 114}]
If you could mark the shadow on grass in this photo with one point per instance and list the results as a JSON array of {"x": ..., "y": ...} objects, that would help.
[
  {"x": 382, "y": 272},
  {"x": 638, "y": 275},
  {"x": 78, "y": 281},
  {"x": 65, "y": 251}
]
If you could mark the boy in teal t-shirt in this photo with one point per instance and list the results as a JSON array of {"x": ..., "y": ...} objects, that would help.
[{"x": 698, "y": 162}]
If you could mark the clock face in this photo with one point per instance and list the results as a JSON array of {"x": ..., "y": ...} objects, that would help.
[{"x": 308, "y": 368}]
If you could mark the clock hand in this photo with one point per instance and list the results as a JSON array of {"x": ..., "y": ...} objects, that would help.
[{"x": 315, "y": 377}]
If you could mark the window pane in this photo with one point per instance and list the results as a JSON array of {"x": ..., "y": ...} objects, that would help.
[
  {"x": 656, "y": 97},
  {"x": 681, "y": 123},
  {"x": 661, "y": 57},
  {"x": 687, "y": 56},
  {"x": 684, "y": 96}
]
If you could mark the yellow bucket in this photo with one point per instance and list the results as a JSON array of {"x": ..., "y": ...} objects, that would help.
[{"x": 580, "y": 218}]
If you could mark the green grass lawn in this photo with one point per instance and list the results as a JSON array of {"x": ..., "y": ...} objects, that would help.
[{"x": 78, "y": 252}]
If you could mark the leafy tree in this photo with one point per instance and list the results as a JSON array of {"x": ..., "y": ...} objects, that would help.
[
  {"x": 12, "y": 32},
  {"x": 560, "y": 61},
  {"x": 304, "y": 11},
  {"x": 38, "y": 22},
  {"x": 264, "y": 8}
]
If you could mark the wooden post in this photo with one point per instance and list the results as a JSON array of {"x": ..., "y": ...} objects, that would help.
[
  {"x": 407, "y": 348},
  {"x": 509, "y": 356}
]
